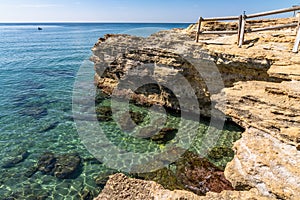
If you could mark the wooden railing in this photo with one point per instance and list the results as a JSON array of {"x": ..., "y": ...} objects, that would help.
[{"x": 242, "y": 20}]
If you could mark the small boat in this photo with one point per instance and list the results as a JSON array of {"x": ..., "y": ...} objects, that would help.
[{"x": 39, "y": 28}]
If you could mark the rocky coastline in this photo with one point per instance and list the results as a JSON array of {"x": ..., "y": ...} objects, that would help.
[{"x": 256, "y": 86}]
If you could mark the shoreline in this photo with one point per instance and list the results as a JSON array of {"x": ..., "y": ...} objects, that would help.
[{"x": 257, "y": 79}]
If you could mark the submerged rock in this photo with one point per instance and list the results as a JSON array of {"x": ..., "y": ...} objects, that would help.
[
  {"x": 35, "y": 112},
  {"x": 86, "y": 195},
  {"x": 147, "y": 132},
  {"x": 220, "y": 152},
  {"x": 66, "y": 166},
  {"x": 104, "y": 113},
  {"x": 159, "y": 136},
  {"x": 100, "y": 96},
  {"x": 46, "y": 163},
  {"x": 200, "y": 176},
  {"x": 189, "y": 172},
  {"x": 16, "y": 159},
  {"x": 164, "y": 135},
  {"x": 137, "y": 117},
  {"x": 49, "y": 127},
  {"x": 165, "y": 177},
  {"x": 102, "y": 178},
  {"x": 31, "y": 171}
]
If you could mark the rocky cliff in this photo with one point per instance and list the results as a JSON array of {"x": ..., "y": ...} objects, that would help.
[{"x": 261, "y": 83}]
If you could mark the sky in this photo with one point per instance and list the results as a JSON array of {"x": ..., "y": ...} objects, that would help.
[{"x": 130, "y": 10}]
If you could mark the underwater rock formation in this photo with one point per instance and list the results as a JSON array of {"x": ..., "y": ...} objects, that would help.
[
  {"x": 66, "y": 166},
  {"x": 20, "y": 157}
]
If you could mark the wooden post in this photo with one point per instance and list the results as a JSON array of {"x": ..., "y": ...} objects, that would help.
[
  {"x": 273, "y": 12},
  {"x": 239, "y": 28},
  {"x": 272, "y": 28},
  {"x": 199, "y": 29},
  {"x": 242, "y": 35},
  {"x": 298, "y": 18},
  {"x": 297, "y": 41}
]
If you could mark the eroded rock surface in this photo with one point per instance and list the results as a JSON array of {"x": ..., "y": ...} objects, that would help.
[
  {"x": 262, "y": 95},
  {"x": 121, "y": 187},
  {"x": 267, "y": 157},
  {"x": 271, "y": 107},
  {"x": 265, "y": 163},
  {"x": 167, "y": 65}
]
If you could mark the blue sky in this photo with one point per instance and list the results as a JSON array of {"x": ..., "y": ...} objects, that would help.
[{"x": 130, "y": 10}]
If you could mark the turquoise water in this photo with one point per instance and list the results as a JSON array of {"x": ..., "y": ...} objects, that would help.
[{"x": 37, "y": 73}]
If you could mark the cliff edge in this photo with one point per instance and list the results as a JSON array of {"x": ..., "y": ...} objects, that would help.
[{"x": 261, "y": 83}]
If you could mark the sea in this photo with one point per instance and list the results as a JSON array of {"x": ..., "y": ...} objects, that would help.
[{"x": 38, "y": 69}]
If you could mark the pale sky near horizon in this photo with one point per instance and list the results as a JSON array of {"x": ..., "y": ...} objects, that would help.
[{"x": 130, "y": 10}]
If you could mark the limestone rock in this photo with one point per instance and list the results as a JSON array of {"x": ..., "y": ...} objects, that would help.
[
  {"x": 265, "y": 163},
  {"x": 262, "y": 95},
  {"x": 167, "y": 65},
  {"x": 271, "y": 107},
  {"x": 252, "y": 194},
  {"x": 120, "y": 187},
  {"x": 286, "y": 72},
  {"x": 267, "y": 156}
]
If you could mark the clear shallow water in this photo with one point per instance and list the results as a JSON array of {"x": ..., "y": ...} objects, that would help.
[{"x": 37, "y": 73}]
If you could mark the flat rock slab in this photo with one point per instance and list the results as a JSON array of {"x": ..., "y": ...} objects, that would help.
[{"x": 288, "y": 72}]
